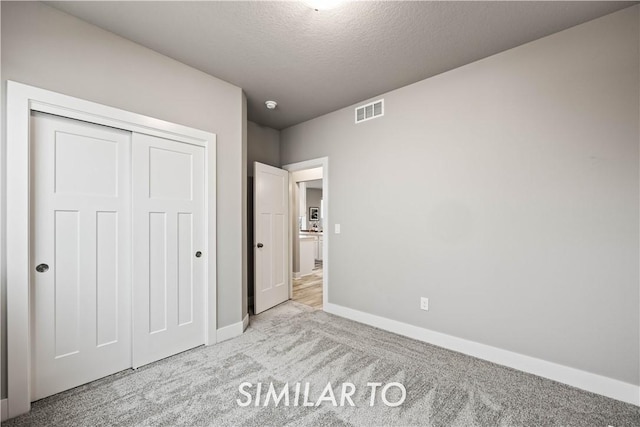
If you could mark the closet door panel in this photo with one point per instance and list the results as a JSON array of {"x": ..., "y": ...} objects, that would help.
[
  {"x": 169, "y": 256},
  {"x": 81, "y": 287}
]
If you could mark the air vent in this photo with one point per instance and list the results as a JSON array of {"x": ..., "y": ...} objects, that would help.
[{"x": 370, "y": 111}]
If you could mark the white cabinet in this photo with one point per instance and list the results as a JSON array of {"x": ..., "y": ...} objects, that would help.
[
  {"x": 316, "y": 238},
  {"x": 318, "y": 248},
  {"x": 307, "y": 245}
]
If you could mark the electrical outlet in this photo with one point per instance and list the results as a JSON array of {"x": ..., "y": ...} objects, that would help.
[{"x": 424, "y": 304}]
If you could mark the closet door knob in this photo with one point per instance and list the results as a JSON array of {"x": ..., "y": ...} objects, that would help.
[
  {"x": 198, "y": 254},
  {"x": 260, "y": 245},
  {"x": 42, "y": 268}
]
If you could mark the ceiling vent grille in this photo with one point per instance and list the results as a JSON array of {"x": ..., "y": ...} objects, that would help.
[{"x": 370, "y": 111}]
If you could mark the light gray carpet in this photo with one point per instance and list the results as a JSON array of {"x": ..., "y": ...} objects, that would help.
[{"x": 296, "y": 344}]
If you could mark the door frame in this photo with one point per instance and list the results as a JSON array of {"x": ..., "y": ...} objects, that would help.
[
  {"x": 21, "y": 101},
  {"x": 322, "y": 162}
]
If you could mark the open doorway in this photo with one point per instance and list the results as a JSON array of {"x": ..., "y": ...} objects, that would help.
[
  {"x": 308, "y": 276},
  {"x": 309, "y": 213}
]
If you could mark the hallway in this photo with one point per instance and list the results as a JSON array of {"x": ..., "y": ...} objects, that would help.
[{"x": 308, "y": 289}]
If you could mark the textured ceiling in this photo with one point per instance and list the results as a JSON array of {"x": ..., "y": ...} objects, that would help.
[{"x": 313, "y": 62}]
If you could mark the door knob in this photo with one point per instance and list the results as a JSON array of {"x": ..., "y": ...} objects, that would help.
[
  {"x": 260, "y": 245},
  {"x": 42, "y": 268},
  {"x": 198, "y": 254}
]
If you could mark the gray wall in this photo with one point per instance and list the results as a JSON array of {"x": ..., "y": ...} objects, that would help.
[
  {"x": 506, "y": 191},
  {"x": 263, "y": 145},
  {"x": 46, "y": 48}
]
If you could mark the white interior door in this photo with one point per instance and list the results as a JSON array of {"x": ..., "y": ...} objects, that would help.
[
  {"x": 81, "y": 313},
  {"x": 168, "y": 249},
  {"x": 271, "y": 230}
]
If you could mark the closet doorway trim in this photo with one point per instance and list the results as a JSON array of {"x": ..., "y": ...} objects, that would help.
[{"x": 21, "y": 101}]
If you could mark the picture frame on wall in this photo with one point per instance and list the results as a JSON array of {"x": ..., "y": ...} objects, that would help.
[{"x": 314, "y": 214}]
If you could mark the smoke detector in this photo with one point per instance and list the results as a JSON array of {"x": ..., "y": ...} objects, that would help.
[{"x": 271, "y": 104}]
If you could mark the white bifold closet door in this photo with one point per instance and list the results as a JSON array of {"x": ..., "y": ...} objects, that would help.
[
  {"x": 81, "y": 312},
  {"x": 109, "y": 206},
  {"x": 168, "y": 242}
]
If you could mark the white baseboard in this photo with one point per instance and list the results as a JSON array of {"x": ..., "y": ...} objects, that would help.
[
  {"x": 594, "y": 383},
  {"x": 4, "y": 410},
  {"x": 232, "y": 331},
  {"x": 298, "y": 275}
]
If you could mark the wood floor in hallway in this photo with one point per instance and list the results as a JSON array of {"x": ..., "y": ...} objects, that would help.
[{"x": 308, "y": 289}]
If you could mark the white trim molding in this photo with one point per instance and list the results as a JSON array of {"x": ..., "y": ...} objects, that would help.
[
  {"x": 234, "y": 330},
  {"x": 588, "y": 381},
  {"x": 21, "y": 101}
]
